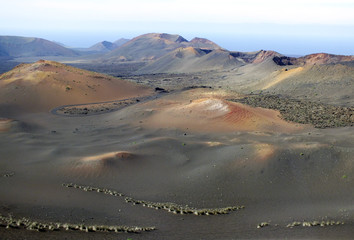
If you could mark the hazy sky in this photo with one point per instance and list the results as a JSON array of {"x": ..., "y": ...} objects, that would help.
[{"x": 290, "y": 27}]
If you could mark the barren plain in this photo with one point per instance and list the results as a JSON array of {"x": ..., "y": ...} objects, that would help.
[{"x": 222, "y": 154}]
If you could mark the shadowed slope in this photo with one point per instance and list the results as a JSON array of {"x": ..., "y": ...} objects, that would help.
[
  {"x": 333, "y": 84},
  {"x": 32, "y": 47},
  {"x": 103, "y": 46},
  {"x": 190, "y": 59}
]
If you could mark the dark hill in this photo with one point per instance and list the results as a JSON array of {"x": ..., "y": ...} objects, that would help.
[{"x": 104, "y": 46}]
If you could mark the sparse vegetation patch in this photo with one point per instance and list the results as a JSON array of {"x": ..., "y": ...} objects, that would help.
[
  {"x": 301, "y": 111},
  {"x": 170, "y": 207},
  {"x": 29, "y": 224}
]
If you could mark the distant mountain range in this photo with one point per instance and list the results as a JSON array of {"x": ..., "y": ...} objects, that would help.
[
  {"x": 152, "y": 46},
  {"x": 18, "y": 47},
  {"x": 166, "y": 53},
  {"x": 160, "y": 53}
]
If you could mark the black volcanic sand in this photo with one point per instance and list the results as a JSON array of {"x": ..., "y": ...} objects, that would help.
[{"x": 280, "y": 178}]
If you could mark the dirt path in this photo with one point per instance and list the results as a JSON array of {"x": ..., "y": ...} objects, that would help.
[{"x": 88, "y": 109}]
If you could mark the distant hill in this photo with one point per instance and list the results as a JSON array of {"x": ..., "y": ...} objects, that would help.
[
  {"x": 202, "y": 43},
  {"x": 106, "y": 46},
  {"x": 43, "y": 85},
  {"x": 313, "y": 59},
  {"x": 331, "y": 83},
  {"x": 14, "y": 46},
  {"x": 151, "y": 46},
  {"x": 264, "y": 55},
  {"x": 146, "y": 47},
  {"x": 190, "y": 59}
]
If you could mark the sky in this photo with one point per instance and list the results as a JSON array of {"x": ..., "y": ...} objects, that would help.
[{"x": 290, "y": 27}]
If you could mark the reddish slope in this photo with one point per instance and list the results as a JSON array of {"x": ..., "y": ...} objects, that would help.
[{"x": 45, "y": 84}]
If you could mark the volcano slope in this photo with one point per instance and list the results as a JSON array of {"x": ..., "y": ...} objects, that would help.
[
  {"x": 190, "y": 163},
  {"x": 43, "y": 85}
]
